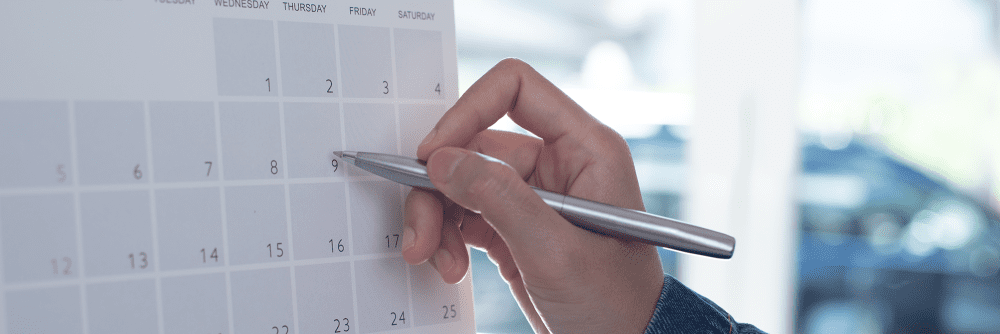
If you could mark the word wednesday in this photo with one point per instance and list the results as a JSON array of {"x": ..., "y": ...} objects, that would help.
[
  {"x": 305, "y": 7},
  {"x": 242, "y": 3}
]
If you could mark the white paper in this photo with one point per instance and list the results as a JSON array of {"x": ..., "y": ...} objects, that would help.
[{"x": 166, "y": 166}]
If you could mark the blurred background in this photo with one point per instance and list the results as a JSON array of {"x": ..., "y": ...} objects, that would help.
[{"x": 850, "y": 146}]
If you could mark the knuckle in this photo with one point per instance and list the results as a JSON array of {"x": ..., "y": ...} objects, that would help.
[
  {"x": 609, "y": 140},
  {"x": 508, "y": 270},
  {"x": 511, "y": 64},
  {"x": 510, "y": 273},
  {"x": 613, "y": 137},
  {"x": 513, "y": 67}
]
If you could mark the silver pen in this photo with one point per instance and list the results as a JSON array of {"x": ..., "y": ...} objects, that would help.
[{"x": 593, "y": 216}]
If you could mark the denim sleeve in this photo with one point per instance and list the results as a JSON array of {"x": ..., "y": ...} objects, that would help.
[{"x": 681, "y": 310}]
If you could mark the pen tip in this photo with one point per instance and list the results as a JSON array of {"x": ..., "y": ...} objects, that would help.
[{"x": 339, "y": 154}]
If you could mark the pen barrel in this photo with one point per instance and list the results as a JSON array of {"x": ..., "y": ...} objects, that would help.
[{"x": 631, "y": 224}]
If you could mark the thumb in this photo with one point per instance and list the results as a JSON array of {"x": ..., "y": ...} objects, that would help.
[{"x": 493, "y": 189}]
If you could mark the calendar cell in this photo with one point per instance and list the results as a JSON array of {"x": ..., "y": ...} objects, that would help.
[
  {"x": 256, "y": 224},
  {"x": 189, "y": 224},
  {"x": 366, "y": 61},
  {"x": 187, "y": 125},
  {"x": 39, "y": 238},
  {"x": 312, "y": 133},
  {"x": 117, "y": 233},
  {"x": 251, "y": 140},
  {"x": 325, "y": 301},
  {"x": 35, "y": 137},
  {"x": 370, "y": 127},
  {"x": 419, "y": 64},
  {"x": 420, "y": 119},
  {"x": 434, "y": 301},
  {"x": 46, "y": 311},
  {"x": 382, "y": 295},
  {"x": 262, "y": 301},
  {"x": 308, "y": 59},
  {"x": 195, "y": 304},
  {"x": 319, "y": 220},
  {"x": 376, "y": 216},
  {"x": 122, "y": 307},
  {"x": 245, "y": 57},
  {"x": 111, "y": 142}
]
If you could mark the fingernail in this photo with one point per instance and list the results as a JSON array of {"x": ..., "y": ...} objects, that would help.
[
  {"x": 430, "y": 137},
  {"x": 408, "y": 236},
  {"x": 448, "y": 157},
  {"x": 443, "y": 260}
]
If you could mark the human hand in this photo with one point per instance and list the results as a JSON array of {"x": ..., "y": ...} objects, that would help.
[{"x": 566, "y": 279}]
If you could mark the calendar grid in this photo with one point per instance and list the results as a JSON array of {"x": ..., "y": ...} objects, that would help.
[
  {"x": 190, "y": 272},
  {"x": 223, "y": 218},
  {"x": 152, "y": 216},
  {"x": 184, "y": 185},
  {"x": 347, "y": 184},
  {"x": 75, "y": 162},
  {"x": 291, "y": 258},
  {"x": 356, "y": 100},
  {"x": 284, "y": 163},
  {"x": 367, "y": 265},
  {"x": 399, "y": 149}
]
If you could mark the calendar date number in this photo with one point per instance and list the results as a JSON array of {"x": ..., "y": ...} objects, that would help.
[
  {"x": 338, "y": 247},
  {"x": 449, "y": 311},
  {"x": 209, "y": 255},
  {"x": 346, "y": 324},
  {"x": 61, "y": 171},
  {"x": 64, "y": 268},
  {"x": 398, "y": 320},
  {"x": 140, "y": 260},
  {"x": 277, "y": 251},
  {"x": 392, "y": 241}
]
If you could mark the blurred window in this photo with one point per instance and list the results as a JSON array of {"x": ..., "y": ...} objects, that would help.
[
  {"x": 629, "y": 63},
  {"x": 899, "y": 102},
  {"x": 897, "y": 198}
]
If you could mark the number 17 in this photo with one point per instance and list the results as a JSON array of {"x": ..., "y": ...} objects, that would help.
[{"x": 392, "y": 241}]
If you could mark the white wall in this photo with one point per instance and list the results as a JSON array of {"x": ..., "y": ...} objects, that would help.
[{"x": 743, "y": 157}]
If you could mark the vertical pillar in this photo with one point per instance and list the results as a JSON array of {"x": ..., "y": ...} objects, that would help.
[{"x": 743, "y": 157}]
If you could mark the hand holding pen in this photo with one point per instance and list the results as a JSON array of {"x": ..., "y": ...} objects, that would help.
[{"x": 566, "y": 279}]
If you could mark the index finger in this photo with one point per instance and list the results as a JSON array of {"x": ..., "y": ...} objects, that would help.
[{"x": 515, "y": 89}]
